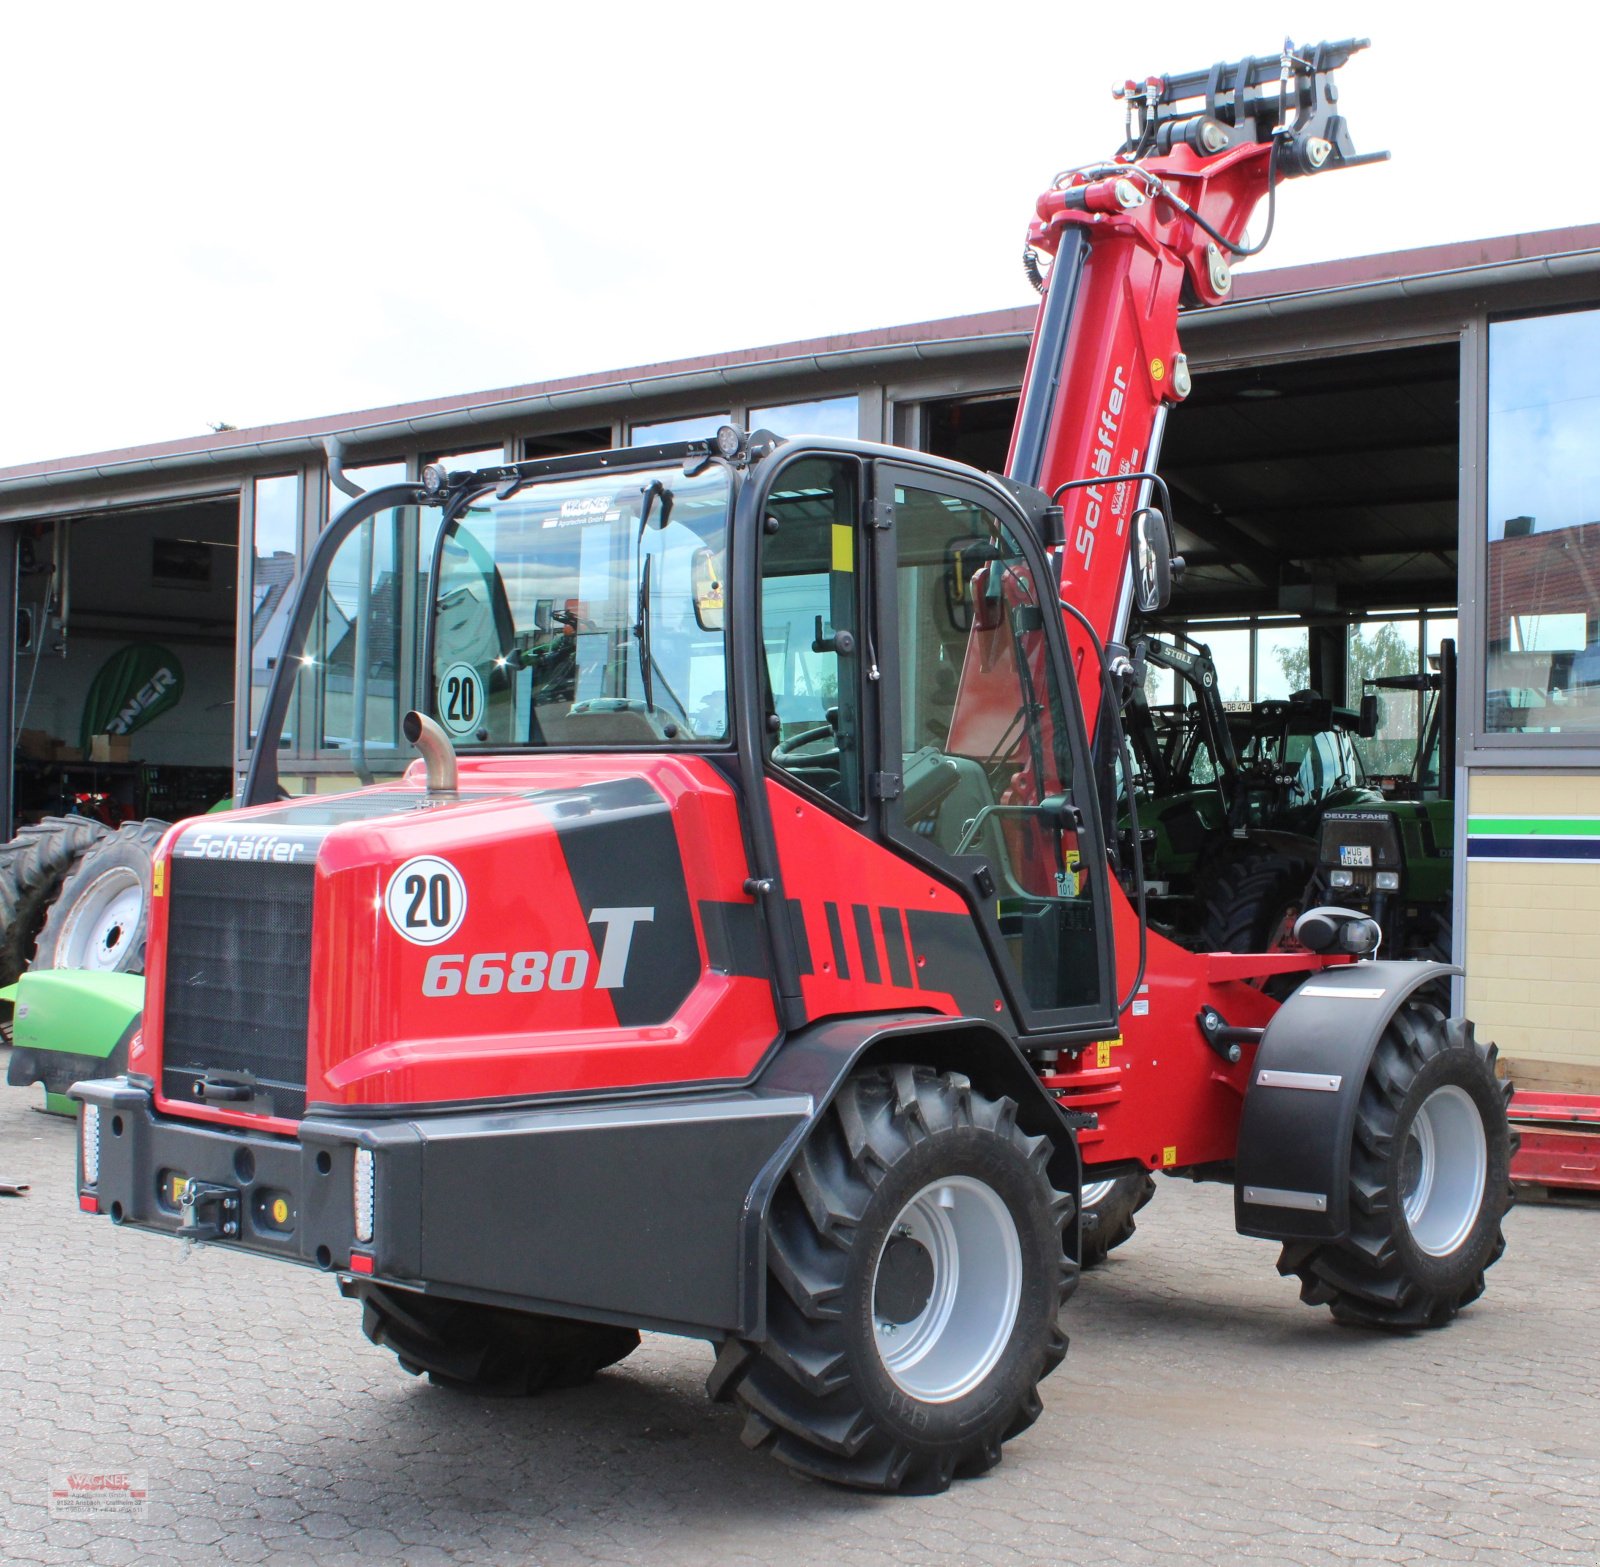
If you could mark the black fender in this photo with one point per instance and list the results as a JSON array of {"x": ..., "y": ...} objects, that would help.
[
  {"x": 58, "y": 1070},
  {"x": 814, "y": 1061},
  {"x": 1292, "y": 1170}
]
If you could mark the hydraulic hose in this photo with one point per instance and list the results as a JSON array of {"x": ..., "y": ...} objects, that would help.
[{"x": 1115, "y": 704}]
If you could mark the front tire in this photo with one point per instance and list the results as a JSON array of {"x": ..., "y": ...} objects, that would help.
[
  {"x": 1430, "y": 1181},
  {"x": 486, "y": 1349},
  {"x": 915, "y": 1274}
]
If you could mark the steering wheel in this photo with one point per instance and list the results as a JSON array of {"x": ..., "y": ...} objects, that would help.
[{"x": 787, "y": 753}]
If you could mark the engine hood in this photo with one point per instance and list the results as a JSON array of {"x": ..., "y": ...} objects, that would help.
[{"x": 492, "y": 945}]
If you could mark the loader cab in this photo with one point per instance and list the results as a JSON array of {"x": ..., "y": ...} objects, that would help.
[
  {"x": 847, "y": 627},
  {"x": 912, "y": 683}
]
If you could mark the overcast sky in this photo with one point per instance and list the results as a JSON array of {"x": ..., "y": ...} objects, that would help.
[{"x": 265, "y": 212}]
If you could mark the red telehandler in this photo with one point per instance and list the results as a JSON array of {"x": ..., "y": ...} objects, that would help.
[{"x": 750, "y": 954}]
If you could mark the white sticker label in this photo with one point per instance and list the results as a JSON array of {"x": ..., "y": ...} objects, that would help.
[
  {"x": 461, "y": 699},
  {"x": 426, "y": 900}
]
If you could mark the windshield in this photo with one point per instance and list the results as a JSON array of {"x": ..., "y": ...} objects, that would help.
[{"x": 585, "y": 611}]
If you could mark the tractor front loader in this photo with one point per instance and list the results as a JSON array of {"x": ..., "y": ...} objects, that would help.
[{"x": 747, "y": 956}]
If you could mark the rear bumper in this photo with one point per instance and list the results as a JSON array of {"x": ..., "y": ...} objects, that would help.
[{"x": 646, "y": 1212}]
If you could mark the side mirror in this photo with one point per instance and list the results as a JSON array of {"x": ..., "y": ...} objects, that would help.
[
  {"x": 1152, "y": 560},
  {"x": 1371, "y": 715}
]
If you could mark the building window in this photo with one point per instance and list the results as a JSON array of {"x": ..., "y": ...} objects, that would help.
[
  {"x": 698, "y": 428},
  {"x": 835, "y": 416},
  {"x": 274, "y": 566},
  {"x": 1542, "y": 606}
]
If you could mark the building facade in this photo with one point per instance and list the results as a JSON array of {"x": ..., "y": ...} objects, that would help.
[{"x": 1380, "y": 454}]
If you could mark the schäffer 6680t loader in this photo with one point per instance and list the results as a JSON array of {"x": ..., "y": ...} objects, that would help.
[{"x": 748, "y": 956}]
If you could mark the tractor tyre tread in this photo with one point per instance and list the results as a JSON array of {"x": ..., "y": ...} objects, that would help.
[
  {"x": 811, "y": 1395},
  {"x": 33, "y": 866},
  {"x": 1247, "y": 896},
  {"x": 487, "y": 1349},
  {"x": 132, "y": 846},
  {"x": 1110, "y": 1221},
  {"x": 1375, "y": 1276}
]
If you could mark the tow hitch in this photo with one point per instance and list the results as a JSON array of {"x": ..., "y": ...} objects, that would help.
[{"x": 208, "y": 1210}]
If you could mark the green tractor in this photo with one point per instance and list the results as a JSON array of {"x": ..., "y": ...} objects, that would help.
[
  {"x": 1230, "y": 803},
  {"x": 1394, "y": 859}
]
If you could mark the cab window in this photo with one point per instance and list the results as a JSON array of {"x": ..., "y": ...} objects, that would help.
[{"x": 810, "y": 629}]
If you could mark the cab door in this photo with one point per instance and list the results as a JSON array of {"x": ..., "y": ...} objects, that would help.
[{"x": 995, "y": 791}]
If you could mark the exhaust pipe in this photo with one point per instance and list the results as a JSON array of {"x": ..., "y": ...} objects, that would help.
[{"x": 438, "y": 755}]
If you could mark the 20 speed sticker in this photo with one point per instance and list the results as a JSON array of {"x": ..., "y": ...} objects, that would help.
[
  {"x": 426, "y": 900},
  {"x": 461, "y": 699}
]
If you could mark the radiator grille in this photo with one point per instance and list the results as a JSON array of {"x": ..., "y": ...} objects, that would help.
[{"x": 238, "y": 977}]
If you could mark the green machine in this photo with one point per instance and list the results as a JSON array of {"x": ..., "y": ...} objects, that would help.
[
  {"x": 1230, "y": 801},
  {"x": 70, "y": 1024},
  {"x": 1395, "y": 860}
]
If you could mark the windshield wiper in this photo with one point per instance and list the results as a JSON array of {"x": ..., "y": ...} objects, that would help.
[{"x": 641, "y": 630}]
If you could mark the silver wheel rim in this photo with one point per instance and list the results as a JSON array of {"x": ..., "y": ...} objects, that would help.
[
  {"x": 1444, "y": 1169},
  {"x": 975, "y": 1256},
  {"x": 105, "y": 923},
  {"x": 1096, "y": 1192}
]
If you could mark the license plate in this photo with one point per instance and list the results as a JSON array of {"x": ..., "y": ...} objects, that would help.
[{"x": 1355, "y": 855}]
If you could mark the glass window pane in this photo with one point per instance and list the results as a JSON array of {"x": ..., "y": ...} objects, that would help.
[
  {"x": 1283, "y": 662},
  {"x": 986, "y": 759},
  {"x": 372, "y": 477},
  {"x": 358, "y": 671},
  {"x": 836, "y": 416},
  {"x": 664, "y": 430},
  {"x": 809, "y": 594},
  {"x": 1543, "y": 610},
  {"x": 1379, "y": 649},
  {"x": 1230, "y": 652},
  {"x": 466, "y": 462},
  {"x": 273, "y": 569},
  {"x": 584, "y": 611}
]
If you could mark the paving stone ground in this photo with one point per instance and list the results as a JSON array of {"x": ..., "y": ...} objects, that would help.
[{"x": 1203, "y": 1416}]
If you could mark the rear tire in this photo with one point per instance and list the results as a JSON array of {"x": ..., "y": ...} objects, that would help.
[
  {"x": 1108, "y": 1210},
  {"x": 486, "y": 1349},
  {"x": 915, "y": 1274},
  {"x": 100, "y": 918},
  {"x": 33, "y": 865},
  {"x": 1430, "y": 1181}
]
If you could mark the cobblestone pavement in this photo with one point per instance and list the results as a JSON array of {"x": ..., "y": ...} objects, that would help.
[{"x": 1202, "y": 1416}]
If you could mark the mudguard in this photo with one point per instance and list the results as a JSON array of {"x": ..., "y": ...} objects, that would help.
[
  {"x": 72, "y": 1024},
  {"x": 814, "y": 1061},
  {"x": 1292, "y": 1170}
]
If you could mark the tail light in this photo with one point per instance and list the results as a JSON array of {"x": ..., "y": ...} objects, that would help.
[
  {"x": 89, "y": 1137},
  {"x": 364, "y": 1199}
]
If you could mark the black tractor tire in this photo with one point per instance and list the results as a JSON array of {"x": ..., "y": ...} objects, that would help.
[
  {"x": 486, "y": 1349},
  {"x": 1249, "y": 899},
  {"x": 1108, "y": 1215},
  {"x": 1430, "y": 1181},
  {"x": 916, "y": 1211},
  {"x": 33, "y": 865},
  {"x": 95, "y": 916}
]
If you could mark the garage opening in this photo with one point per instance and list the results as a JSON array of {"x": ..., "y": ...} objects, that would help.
[
  {"x": 124, "y": 668},
  {"x": 1316, "y": 508}
]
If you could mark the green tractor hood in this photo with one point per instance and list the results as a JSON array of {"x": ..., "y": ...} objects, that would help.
[{"x": 71, "y": 1024}]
